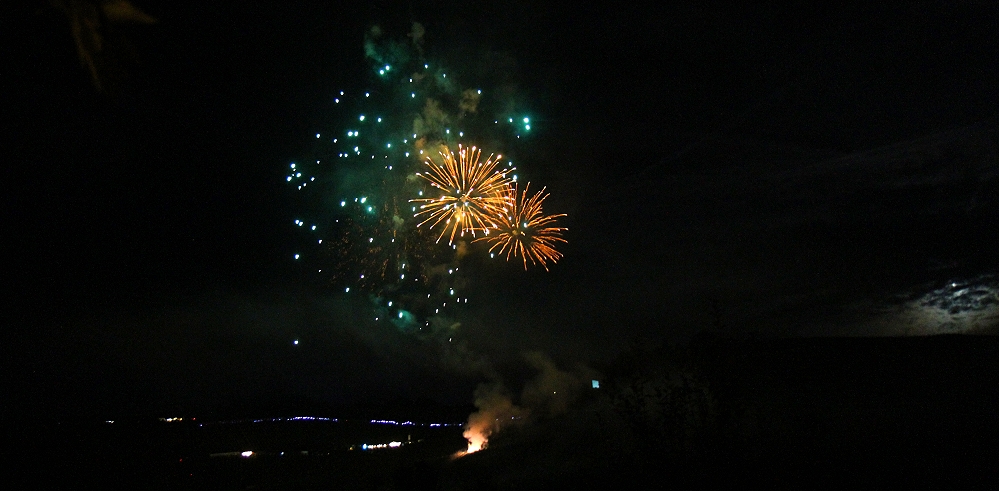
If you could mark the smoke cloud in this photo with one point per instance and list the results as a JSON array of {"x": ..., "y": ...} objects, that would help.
[
  {"x": 550, "y": 393},
  {"x": 496, "y": 410}
]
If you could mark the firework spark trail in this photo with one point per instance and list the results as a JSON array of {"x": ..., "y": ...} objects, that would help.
[
  {"x": 473, "y": 193},
  {"x": 525, "y": 231}
]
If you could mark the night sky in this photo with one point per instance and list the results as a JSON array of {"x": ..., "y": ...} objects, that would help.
[{"x": 754, "y": 170}]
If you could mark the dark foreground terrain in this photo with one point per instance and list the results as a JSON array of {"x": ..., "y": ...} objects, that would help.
[
  {"x": 286, "y": 454},
  {"x": 787, "y": 412}
]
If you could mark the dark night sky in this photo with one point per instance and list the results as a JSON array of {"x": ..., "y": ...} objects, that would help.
[{"x": 738, "y": 169}]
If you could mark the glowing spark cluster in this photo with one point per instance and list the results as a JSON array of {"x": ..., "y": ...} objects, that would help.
[
  {"x": 472, "y": 193},
  {"x": 523, "y": 230}
]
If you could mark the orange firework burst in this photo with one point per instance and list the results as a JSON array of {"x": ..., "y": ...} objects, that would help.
[
  {"x": 471, "y": 192},
  {"x": 524, "y": 231}
]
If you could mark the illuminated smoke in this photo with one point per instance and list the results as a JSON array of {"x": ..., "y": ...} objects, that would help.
[
  {"x": 548, "y": 394},
  {"x": 553, "y": 390},
  {"x": 495, "y": 411}
]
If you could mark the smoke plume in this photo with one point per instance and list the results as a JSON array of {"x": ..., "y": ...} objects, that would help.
[{"x": 548, "y": 394}]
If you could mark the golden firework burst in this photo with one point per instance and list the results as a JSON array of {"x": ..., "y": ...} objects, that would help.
[
  {"x": 471, "y": 192},
  {"x": 523, "y": 230}
]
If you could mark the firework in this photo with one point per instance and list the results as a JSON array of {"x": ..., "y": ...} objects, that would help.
[
  {"x": 355, "y": 219},
  {"x": 472, "y": 193},
  {"x": 523, "y": 230}
]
